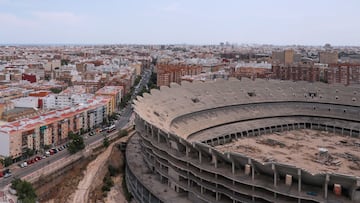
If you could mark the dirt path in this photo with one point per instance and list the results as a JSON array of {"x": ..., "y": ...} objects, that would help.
[
  {"x": 81, "y": 195},
  {"x": 116, "y": 193}
]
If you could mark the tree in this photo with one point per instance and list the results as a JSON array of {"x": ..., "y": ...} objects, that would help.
[
  {"x": 64, "y": 62},
  {"x": 106, "y": 142},
  {"x": 142, "y": 91},
  {"x": 153, "y": 81},
  {"x": 55, "y": 90},
  {"x": 76, "y": 144},
  {"x": 7, "y": 161},
  {"x": 24, "y": 191},
  {"x": 123, "y": 133},
  {"x": 137, "y": 80},
  {"x": 28, "y": 153},
  {"x": 46, "y": 147}
]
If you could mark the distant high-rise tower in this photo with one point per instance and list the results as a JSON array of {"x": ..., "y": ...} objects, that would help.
[
  {"x": 283, "y": 57},
  {"x": 289, "y": 56},
  {"x": 328, "y": 57}
]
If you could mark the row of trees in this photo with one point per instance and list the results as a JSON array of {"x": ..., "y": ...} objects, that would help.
[
  {"x": 7, "y": 161},
  {"x": 151, "y": 84}
]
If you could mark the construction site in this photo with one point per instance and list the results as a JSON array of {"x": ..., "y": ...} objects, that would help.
[
  {"x": 312, "y": 150},
  {"x": 238, "y": 141}
]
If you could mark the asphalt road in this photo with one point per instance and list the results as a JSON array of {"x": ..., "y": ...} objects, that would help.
[{"x": 123, "y": 119}]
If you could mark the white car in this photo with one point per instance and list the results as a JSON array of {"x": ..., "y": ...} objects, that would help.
[
  {"x": 7, "y": 175},
  {"x": 24, "y": 164}
]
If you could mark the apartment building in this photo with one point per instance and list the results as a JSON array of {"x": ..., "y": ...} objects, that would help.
[
  {"x": 115, "y": 93},
  {"x": 51, "y": 128},
  {"x": 172, "y": 72},
  {"x": 346, "y": 73},
  {"x": 297, "y": 71}
]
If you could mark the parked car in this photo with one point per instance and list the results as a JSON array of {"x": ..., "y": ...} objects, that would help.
[
  {"x": 7, "y": 175},
  {"x": 31, "y": 161},
  {"x": 22, "y": 165}
]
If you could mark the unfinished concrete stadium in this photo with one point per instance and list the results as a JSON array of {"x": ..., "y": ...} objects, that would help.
[{"x": 246, "y": 141}]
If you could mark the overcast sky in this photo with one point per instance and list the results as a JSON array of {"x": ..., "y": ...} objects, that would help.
[{"x": 282, "y": 22}]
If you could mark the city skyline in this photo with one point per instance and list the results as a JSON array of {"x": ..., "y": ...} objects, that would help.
[{"x": 180, "y": 22}]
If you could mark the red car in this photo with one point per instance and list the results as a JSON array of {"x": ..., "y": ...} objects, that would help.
[{"x": 31, "y": 161}]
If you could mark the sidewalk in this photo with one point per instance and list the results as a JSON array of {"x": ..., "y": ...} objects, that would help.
[{"x": 6, "y": 197}]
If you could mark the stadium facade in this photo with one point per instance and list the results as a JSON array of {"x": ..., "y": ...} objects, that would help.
[{"x": 174, "y": 155}]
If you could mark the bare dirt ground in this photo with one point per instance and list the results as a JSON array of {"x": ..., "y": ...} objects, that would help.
[
  {"x": 116, "y": 159},
  {"x": 84, "y": 179},
  {"x": 94, "y": 174},
  {"x": 116, "y": 193},
  {"x": 314, "y": 151},
  {"x": 58, "y": 189}
]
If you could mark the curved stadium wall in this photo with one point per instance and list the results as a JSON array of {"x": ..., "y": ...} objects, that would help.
[{"x": 174, "y": 156}]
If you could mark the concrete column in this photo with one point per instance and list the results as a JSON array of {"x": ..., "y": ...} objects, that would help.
[
  {"x": 200, "y": 157},
  {"x": 158, "y": 136},
  {"x": 233, "y": 167},
  {"x": 202, "y": 190},
  {"x": 327, "y": 178},
  {"x": 275, "y": 174},
  {"x": 354, "y": 194},
  {"x": 214, "y": 160},
  {"x": 152, "y": 133},
  {"x": 299, "y": 180},
  {"x": 187, "y": 150},
  {"x": 136, "y": 183},
  {"x": 252, "y": 172},
  {"x": 167, "y": 142},
  {"x": 217, "y": 196}
]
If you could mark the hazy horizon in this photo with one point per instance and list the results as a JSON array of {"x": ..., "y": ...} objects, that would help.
[{"x": 278, "y": 22}]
